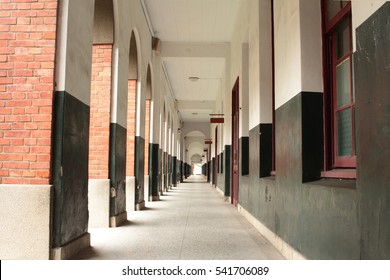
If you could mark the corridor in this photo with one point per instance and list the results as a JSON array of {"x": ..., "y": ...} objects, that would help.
[
  {"x": 191, "y": 221},
  {"x": 106, "y": 105}
]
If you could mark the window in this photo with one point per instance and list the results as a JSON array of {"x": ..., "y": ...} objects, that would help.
[{"x": 339, "y": 95}]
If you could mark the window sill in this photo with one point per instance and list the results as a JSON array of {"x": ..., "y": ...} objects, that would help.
[
  {"x": 339, "y": 174},
  {"x": 335, "y": 183},
  {"x": 271, "y": 177}
]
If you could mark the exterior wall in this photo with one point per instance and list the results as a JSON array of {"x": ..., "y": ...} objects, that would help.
[
  {"x": 27, "y": 55},
  {"x": 45, "y": 85},
  {"x": 28, "y": 32},
  {"x": 372, "y": 85},
  {"x": 303, "y": 215}
]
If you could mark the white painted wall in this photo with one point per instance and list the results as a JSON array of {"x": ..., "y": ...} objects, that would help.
[
  {"x": 311, "y": 46},
  {"x": 244, "y": 93},
  {"x": 265, "y": 62},
  {"x": 254, "y": 66},
  {"x": 240, "y": 36},
  {"x": 132, "y": 21},
  {"x": 287, "y": 50},
  {"x": 73, "y": 70},
  {"x": 298, "y": 49}
]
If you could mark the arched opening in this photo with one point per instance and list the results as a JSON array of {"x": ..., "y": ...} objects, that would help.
[
  {"x": 196, "y": 164},
  {"x": 131, "y": 106},
  {"x": 99, "y": 125},
  {"x": 148, "y": 117},
  {"x": 163, "y": 151}
]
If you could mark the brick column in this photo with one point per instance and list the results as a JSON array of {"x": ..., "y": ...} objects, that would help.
[{"x": 27, "y": 55}]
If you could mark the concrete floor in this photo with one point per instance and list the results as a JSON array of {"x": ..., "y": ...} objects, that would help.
[{"x": 191, "y": 222}]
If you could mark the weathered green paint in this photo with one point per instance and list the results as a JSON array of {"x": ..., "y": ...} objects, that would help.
[
  {"x": 312, "y": 136},
  {"x": 117, "y": 169},
  {"x": 372, "y": 84},
  {"x": 228, "y": 169},
  {"x": 70, "y": 168},
  {"x": 160, "y": 175},
  {"x": 139, "y": 167},
  {"x": 153, "y": 169},
  {"x": 169, "y": 170},
  {"x": 321, "y": 222},
  {"x": 265, "y": 148},
  {"x": 244, "y": 155},
  {"x": 174, "y": 173},
  {"x": 165, "y": 175}
]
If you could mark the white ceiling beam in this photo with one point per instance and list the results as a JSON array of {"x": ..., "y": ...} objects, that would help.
[
  {"x": 194, "y": 50},
  {"x": 190, "y": 105}
]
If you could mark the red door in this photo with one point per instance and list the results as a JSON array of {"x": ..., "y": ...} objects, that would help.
[{"x": 235, "y": 145}]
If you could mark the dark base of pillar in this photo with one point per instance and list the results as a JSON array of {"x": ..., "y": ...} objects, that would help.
[
  {"x": 140, "y": 206},
  {"x": 118, "y": 220},
  {"x": 69, "y": 250}
]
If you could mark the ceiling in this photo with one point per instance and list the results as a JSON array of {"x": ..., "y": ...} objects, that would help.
[{"x": 193, "y": 22}]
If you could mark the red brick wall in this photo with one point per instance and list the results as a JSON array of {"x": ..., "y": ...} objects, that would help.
[
  {"x": 27, "y": 54},
  {"x": 131, "y": 109},
  {"x": 99, "y": 131},
  {"x": 147, "y": 136}
]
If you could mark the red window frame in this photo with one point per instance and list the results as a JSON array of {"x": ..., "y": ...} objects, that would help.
[{"x": 336, "y": 165}]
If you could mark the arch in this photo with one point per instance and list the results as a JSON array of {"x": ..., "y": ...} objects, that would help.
[
  {"x": 195, "y": 133},
  {"x": 148, "y": 120},
  {"x": 100, "y": 109},
  {"x": 100, "y": 96},
  {"x": 134, "y": 56},
  {"x": 196, "y": 158},
  {"x": 194, "y": 148},
  {"x": 133, "y": 74},
  {"x": 149, "y": 87},
  {"x": 204, "y": 128}
]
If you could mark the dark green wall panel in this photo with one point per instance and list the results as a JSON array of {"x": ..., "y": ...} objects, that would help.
[
  {"x": 265, "y": 148},
  {"x": 153, "y": 169},
  {"x": 139, "y": 167},
  {"x": 244, "y": 155},
  {"x": 70, "y": 168},
  {"x": 228, "y": 169},
  {"x": 372, "y": 83},
  {"x": 117, "y": 169}
]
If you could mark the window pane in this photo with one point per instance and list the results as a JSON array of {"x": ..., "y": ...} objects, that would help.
[
  {"x": 343, "y": 45},
  {"x": 344, "y": 3},
  {"x": 343, "y": 79},
  {"x": 333, "y": 8},
  {"x": 344, "y": 133}
]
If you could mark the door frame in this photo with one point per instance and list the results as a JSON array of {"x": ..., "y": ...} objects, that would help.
[{"x": 235, "y": 142}]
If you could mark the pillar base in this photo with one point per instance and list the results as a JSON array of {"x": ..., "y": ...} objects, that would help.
[
  {"x": 67, "y": 251},
  {"x": 154, "y": 198},
  {"x": 140, "y": 206},
  {"x": 130, "y": 193},
  {"x": 99, "y": 203},
  {"x": 25, "y": 221},
  {"x": 118, "y": 220}
]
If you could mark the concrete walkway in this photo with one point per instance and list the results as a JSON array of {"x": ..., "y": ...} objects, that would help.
[{"x": 190, "y": 222}]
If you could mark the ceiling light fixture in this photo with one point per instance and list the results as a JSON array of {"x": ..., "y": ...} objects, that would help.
[{"x": 193, "y": 78}]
